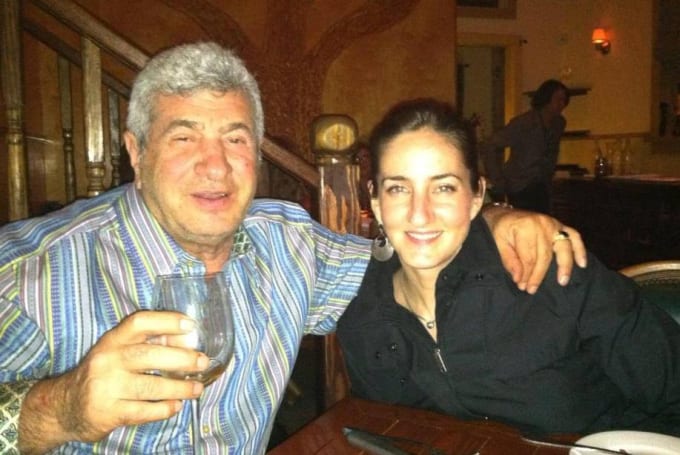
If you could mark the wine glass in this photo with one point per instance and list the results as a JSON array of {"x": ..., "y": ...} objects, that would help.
[{"x": 205, "y": 299}]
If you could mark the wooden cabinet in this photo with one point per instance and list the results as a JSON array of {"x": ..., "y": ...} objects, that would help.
[{"x": 623, "y": 221}]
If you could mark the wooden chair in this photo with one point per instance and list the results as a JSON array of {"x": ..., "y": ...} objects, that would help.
[{"x": 660, "y": 283}]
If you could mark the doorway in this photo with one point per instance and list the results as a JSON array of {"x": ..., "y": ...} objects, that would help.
[{"x": 487, "y": 79}]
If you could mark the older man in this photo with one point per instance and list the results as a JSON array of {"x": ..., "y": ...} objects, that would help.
[{"x": 74, "y": 286}]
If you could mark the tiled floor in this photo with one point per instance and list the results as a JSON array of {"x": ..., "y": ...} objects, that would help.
[{"x": 294, "y": 413}]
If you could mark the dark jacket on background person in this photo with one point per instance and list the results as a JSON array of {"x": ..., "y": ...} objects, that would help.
[
  {"x": 588, "y": 357},
  {"x": 534, "y": 150}
]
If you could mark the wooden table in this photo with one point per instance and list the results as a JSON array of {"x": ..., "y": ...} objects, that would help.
[{"x": 452, "y": 436}]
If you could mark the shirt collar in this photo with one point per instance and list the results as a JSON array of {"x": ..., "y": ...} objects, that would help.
[{"x": 156, "y": 249}]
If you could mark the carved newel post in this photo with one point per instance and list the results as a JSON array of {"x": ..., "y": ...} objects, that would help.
[{"x": 334, "y": 143}]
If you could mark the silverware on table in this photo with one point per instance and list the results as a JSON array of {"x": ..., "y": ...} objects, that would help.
[
  {"x": 380, "y": 444},
  {"x": 534, "y": 439}
]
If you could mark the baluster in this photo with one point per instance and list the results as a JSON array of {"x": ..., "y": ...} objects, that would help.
[
  {"x": 94, "y": 130},
  {"x": 10, "y": 67},
  {"x": 114, "y": 136},
  {"x": 67, "y": 128}
]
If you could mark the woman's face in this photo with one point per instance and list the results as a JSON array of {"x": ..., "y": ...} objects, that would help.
[{"x": 424, "y": 199}]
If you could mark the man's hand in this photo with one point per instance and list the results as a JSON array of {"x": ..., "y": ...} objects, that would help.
[
  {"x": 111, "y": 387},
  {"x": 526, "y": 244}
]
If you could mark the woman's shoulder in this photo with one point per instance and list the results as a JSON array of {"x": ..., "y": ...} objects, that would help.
[{"x": 375, "y": 289}]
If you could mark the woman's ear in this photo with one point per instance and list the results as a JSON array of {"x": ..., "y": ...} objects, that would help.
[
  {"x": 375, "y": 203},
  {"x": 478, "y": 199}
]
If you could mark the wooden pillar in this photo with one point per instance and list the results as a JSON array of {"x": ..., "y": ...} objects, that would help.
[
  {"x": 67, "y": 128},
  {"x": 94, "y": 125},
  {"x": 334, "y": 141},
  {"x": 10, "y": 66}
]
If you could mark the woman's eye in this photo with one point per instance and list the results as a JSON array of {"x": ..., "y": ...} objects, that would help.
[
  {"x": 446, "y": 188},
  {"x": 392, "y": 189}
]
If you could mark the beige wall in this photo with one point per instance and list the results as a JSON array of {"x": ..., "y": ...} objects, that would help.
[
  {"x": 557, "y": 34},
  {"x": 414, "y": 58}
]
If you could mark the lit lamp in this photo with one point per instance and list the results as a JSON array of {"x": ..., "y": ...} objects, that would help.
[{"x": 600, "y": 41}]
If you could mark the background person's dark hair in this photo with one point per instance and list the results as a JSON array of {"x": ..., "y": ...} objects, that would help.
[
  {"x": 413, "y": 115},
  {"x": 545, "y": 92}
]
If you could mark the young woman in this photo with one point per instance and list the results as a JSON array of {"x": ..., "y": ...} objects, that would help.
[{"x": 440, "y": 324}]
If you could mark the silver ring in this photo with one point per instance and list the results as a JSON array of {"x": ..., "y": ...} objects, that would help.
[{"x": 561, "y": 235}]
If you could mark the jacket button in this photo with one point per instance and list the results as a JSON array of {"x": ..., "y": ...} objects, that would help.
[
  {"x": 378, "y": 355},
  {"x": 402, "y": 381},
  {"x": 479, "y": 276},
  {"x": 393, "y": 347}
]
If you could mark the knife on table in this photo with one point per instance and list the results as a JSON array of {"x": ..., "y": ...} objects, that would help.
[{"x": 375, "y": 444}]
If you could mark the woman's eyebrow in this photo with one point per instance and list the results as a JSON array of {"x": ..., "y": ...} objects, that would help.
[{"x": 401, "y": 178}]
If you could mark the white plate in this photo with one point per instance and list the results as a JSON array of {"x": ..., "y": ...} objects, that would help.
[{"x": 635, "y": 442}]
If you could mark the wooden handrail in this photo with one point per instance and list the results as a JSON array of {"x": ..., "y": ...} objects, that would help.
[
  {"x": 73, "y": 15},
  {"x": 297, "y": 166}
]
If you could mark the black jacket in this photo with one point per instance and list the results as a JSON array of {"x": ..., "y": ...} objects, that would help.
[{"x": 587, "y": 357}]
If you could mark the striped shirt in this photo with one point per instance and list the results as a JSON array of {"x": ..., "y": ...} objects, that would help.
[{"x": 67, "y": 278}]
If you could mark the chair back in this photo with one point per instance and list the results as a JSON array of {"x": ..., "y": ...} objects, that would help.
[{"x": 660, "y": 283}]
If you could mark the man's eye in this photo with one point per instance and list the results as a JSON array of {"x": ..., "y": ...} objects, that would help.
[{"x": 237, "y": 140}]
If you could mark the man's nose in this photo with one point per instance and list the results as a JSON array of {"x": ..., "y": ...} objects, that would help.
[{"x": 214, "y": 162}]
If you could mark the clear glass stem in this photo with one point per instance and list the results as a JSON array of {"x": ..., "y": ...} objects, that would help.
[{"x": 196, "y": 426}]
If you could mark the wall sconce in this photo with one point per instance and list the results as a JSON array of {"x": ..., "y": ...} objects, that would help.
[{"x": 600, "y": 41}]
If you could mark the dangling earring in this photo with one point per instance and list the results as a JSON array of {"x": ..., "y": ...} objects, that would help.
[{"x": 381, "y": 248}]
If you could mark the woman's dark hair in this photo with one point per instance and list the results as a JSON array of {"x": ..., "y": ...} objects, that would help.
[
  {"x": 545, "y": 92},
  {"x": 413, "y": 115}
]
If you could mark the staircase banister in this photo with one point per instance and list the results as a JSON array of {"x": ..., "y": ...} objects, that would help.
[
  {"x": 291, "y": 162},
  {"x": 78, "y": 18}
]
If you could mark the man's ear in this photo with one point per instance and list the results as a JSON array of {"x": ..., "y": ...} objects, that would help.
[
  {"x": 478, "y": 199},
  {"x": 135, "y": 154}
]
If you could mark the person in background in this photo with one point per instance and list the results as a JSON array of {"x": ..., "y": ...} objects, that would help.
[
  {"x": 534, "y": 142},
  {"x": 440, "y": 325},
  {"x": 76, "y": 338}
]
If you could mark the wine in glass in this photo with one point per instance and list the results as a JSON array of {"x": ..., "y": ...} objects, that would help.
[{"x": 205, "y": 299}]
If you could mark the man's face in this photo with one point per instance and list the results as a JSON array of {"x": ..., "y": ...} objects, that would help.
[
  {"x": 558, "y": 102},
  {"x": 198, "y": 172}
]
